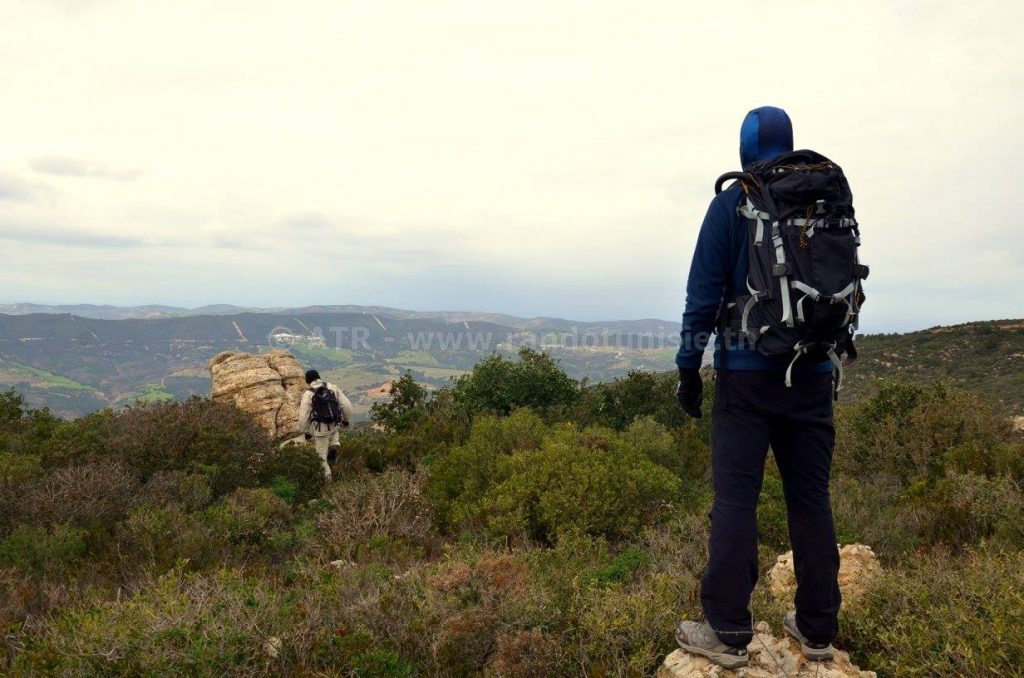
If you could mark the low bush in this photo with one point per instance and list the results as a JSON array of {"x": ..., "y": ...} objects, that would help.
[
  {"x": 296, "y": 467},
  {"x": 913, "y": 432},
  {"x": 406, "y": 405},
  {"x": 16, "y": 469},
  {"x": 945, "y": 615},
  {"x": 38, "y": 550},
  {"x": 500, "y": 385},
  {"x": 384, "y": 516},
  {"x": 515, "y": 477},
  {"x": 153, "y": 539},
  {"x": 592, "y": 481},
  {"x": 191, "y": 490},
  {"x": 249, "y": 519},
  {"x": 92, "y": 495},
  {"x": 639, "y": 394},
  {"x": 463, "y": 475},
  {"x": 189, "y": 625}
]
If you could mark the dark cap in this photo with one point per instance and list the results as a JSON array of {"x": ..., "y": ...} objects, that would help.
[{"x": 311, "y": 376}]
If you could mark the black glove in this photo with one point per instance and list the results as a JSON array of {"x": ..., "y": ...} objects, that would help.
[
  {"x": 344, "y": 423},
  {"x": 308, "y": 436},
  {"x": 690, "y": 391}
]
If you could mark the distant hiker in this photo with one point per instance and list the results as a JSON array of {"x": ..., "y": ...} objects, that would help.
[
  {"x": 775, "y": 275},
  {"x": 324, "y": 411}
]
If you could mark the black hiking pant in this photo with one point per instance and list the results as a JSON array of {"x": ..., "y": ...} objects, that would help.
[{"x": 752, "y": 410}]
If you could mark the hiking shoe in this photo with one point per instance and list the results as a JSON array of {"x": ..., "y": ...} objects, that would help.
[
  {"x": 815, "y": 652},
  {"x": 699, "y": 638}
]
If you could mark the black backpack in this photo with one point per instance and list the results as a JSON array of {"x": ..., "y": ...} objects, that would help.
[
  {"x": 803, "y": 293},
  {"x": 325, "y": 408}
]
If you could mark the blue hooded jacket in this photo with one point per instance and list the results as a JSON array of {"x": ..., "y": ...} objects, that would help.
[{"x": 720, "y": 264}]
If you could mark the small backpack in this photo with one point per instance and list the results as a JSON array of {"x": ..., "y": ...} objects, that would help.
[
  {"x": 804, "y": 289},
  {"x": 325, "y": 409}
]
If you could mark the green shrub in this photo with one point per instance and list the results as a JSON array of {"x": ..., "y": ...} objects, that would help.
[
  {"x": 622, "y": 566},
  {"x": 92, "y": 495},
  {"x": 199, "y": 433},
  {"x": 12, "y": 406},
  {"x": 1000, "y": 458},
  {"x": 499, "y": 385},
  {"x": 16, "y": 469},
  {"x": 512, "y": 478},
  {"x": 249, "y": 517},
  {"x": 384, "y": 517},
  {"x": 907, "y": 431},
  {"x": 185, "y": 625},
  {"x": 24, "y": 430},
  {"x": 297, "y": 467},
  {"x": 81, "y": 440},
  {"x": 37, "y": 550},
  {"x": 153, "y": 539},
  {"x": 640, "y": 394},
  {"x": 285, "y": 489},
  {"x": 382, "y": 664},
  {"x": 964, "y": 509},
  {"x": 877, "y": 513},
  {"x": 679, "y": 450},
  {"x": 942, "y": 616},
  {"x": 462, "y": 476},
  {"x": 191, "y": 490},
  {"x": 406, "y": 405},
  {"x": 591, "y": 480}
]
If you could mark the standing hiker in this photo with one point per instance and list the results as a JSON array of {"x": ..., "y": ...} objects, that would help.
[
  {"x": 323, "y": 412},
  {"x": 775, "y": 274}
]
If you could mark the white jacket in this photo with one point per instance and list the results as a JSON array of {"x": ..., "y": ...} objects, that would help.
[{"x": 306, "y": 408}]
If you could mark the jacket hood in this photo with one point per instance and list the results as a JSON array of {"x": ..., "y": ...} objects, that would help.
[{"x": 766, "y": 133}]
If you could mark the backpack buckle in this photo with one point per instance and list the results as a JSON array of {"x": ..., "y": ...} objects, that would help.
[{"x": 780, "y": 269}]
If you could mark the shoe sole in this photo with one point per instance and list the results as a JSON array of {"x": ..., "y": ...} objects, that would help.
[
  {"x": 726, "y": 661},
  {"x": 810, "y": 653}
]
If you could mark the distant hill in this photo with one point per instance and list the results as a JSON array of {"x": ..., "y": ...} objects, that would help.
[
  {"x": 99, "y": 356},
  {"x": 984, "y": 357},
  {"x": 104, "y": 312},
  {"x": 74, "y": 364}
]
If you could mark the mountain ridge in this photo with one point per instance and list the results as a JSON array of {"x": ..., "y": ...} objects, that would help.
[
  {"x": 155, "y": 311},
  {"x": 75, "y": 364}
]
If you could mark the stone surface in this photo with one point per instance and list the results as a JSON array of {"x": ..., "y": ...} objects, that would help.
[
  {"x": 770, "y": 657},
  {"x": 858, "y": 564},
  {"x": 1018, "y": 424},
  {"x": 266, "y": 385},
  {"x": 272, "y": 647}
]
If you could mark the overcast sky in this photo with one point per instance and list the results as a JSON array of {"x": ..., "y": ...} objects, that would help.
[{"x": 531, "y": 157}]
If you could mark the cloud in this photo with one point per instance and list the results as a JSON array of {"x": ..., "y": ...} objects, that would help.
[
  {"x": 307, "y": 221},
  {"x": 65, "y": 166},
  {"x": 63, "y": 237},
  {"x": 522, "y": 157},
  {"x": 15, "y": 188}
]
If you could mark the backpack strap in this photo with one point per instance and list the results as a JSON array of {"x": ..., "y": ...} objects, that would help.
[
  {"x": 734, "y": 176},
  {"x": 838, "y": 365},
  {"x": 747, "y": 210},
  {"x": 801, "y": 348},
  {"x": 781, "y": 269}
]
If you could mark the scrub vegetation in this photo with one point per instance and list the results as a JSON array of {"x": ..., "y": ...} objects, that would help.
[{"x": 514, "y": 524}]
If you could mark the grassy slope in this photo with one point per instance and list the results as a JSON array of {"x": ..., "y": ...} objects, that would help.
[
  {"x": 12, "y": 372},
  {"x": 984, "y": 357}
]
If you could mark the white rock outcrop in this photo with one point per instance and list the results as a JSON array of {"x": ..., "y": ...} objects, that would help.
[
  {"x": 266, "y": 385},
  {"x": 858, "y": 564},
  {"x": 770, "y": 657}
]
